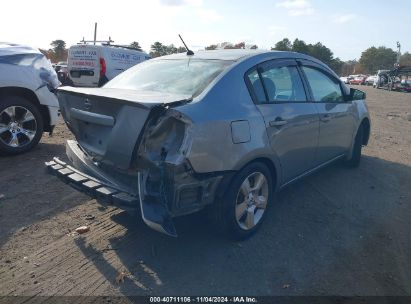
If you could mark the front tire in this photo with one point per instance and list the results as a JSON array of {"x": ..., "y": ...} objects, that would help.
[
  {"x": 355, "y": 159},
  {"x": 243, "y": 208},
  {"x": 21, "y": 125}
]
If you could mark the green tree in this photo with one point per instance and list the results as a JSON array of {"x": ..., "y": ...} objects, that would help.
[
  {"x": 405, "y": 59},
  {"x": 171, "y": 49},
  {"x": 181, "y": 49},
  {"x": 226, "y": 45},
  {"x": 283, "y": 45},
  {"x": 229, "y": 45},
  {"x": 359, "y": 69},
  {"x": 58, "y": 52},
  {"x": 211, "y": 47},
  {"x": 381, "y": 58},
  {"x": 158, "y": 49},
  {"x": 321, "y": 52},
  {"x": 136, "y": 46},
  {"x": 318, "y": 50},
  {"x": 348, "y": 67},
  {"x": 240, "y": 45},
  {"x": 58, "y": 47},
  {"x": 336, "y": 65},
  {"x": 300, "y": 46}
]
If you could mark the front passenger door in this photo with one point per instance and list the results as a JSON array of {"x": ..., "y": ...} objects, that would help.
[{"x": 337, "y": 117}]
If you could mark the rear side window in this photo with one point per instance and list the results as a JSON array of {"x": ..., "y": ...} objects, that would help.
[
  {"x": 323, "y": 87},
  {"x": 257, "y": 86},
  {"x": 277, "y": 85}
]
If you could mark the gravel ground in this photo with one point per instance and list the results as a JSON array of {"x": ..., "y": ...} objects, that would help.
[{"x": 338, "y": 232}]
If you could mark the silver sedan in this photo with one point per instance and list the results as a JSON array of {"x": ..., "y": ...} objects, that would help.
[{"x": 221, "y": 130}]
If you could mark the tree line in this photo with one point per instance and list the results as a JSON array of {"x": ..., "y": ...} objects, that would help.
[{"x": 371, "y": 60}]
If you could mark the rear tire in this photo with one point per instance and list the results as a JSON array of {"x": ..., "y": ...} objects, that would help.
[
  {"x": 355, "y": 159},
  {"x": 21, "y": 125},
  {"x": 243, "y": 208}
]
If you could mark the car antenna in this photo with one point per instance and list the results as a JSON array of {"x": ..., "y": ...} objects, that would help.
[{"x": 189, "y": 52}]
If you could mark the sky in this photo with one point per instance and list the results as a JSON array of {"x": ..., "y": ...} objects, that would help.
[{"x": 347, "y": 27}]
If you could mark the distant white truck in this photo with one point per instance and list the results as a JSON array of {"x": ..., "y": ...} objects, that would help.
[{"x": 92, "y": 65}]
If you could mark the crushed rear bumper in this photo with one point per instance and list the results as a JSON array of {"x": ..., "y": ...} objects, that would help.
[
  {"x": 90, "y": 185},
  {"x": 93, "y": 182}
]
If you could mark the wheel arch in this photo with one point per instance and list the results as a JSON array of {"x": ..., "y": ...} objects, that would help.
[
  {"x": 271, "y": 166},
  {"x": 227, "y": 180},
  {"x": 365, "y": 124},
  {"x": 31, "y": 97}
]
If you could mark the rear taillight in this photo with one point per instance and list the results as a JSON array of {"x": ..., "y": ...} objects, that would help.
[{"x": 102, "y": 67}]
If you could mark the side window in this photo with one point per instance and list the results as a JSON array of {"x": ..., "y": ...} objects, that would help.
[
  {"x": 324, "y": 88},
  {"x": 257, "y": 87},
  {"x": 283, "y": 84}
]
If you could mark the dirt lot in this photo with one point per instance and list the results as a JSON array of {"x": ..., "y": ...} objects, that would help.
[{"x": 338, "y": 232}]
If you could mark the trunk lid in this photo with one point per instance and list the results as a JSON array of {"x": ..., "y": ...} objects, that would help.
[{"x": 108, "y": 123}]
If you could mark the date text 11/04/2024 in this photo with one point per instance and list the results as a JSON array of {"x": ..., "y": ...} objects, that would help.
[{"x": 203, "y": 300}]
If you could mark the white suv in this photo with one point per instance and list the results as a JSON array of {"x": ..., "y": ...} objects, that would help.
[{"x": 28, "y": 106}]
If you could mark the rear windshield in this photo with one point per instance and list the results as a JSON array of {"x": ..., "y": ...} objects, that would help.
[{"x": 181, "y": 76}]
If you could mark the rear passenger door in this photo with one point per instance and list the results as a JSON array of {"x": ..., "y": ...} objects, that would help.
[
  {"x": 337, "y": 116},
  {"x": 292, "y": 123}
]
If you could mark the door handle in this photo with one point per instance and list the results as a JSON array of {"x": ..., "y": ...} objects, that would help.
[
  {"x": 278, "y": 122},
  {"x": 325, "y": 118}
]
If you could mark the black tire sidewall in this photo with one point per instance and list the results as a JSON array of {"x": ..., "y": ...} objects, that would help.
[
  {"x": 8, "y": 101},
  {"x": 354, "y": 161},
  {"x": 229, "y": 200}
]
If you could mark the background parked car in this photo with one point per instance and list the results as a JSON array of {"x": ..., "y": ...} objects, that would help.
[
  {"x": 63, "y": 76},
  {"x": 371, "y": 79},
  {"x": 59, "y": 65},
  {"x": 359, "y": 80},
  {"x": 402, "y": 85},
  {"x": 345, "y": 80},
  {"x": 27, "y": 105}
]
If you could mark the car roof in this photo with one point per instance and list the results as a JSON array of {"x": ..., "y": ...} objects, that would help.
[
  {"x": 7, "y": 49},
  {"x": 238, "y": 55},
  {"x": 232, "y": 55}
]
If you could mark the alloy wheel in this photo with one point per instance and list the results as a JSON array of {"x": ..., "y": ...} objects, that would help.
[
  {"x": 18, "y": 126},
  {"x": 251, "y": 201}
]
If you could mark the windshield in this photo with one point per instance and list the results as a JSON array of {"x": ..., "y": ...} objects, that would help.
[{"x": 181, "y": 76}]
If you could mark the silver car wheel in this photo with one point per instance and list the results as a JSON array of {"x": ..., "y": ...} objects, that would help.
[
  {"x": 251, "y": 201},
  {"x": 18, "y": 126}
]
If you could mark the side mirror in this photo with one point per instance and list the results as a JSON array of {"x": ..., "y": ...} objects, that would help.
[{"x": 356, "y": 95}]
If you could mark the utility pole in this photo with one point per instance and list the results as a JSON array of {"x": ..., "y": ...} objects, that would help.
[
  {"x": 95, "y": 32},
  {"x": 397, "y": 64}
]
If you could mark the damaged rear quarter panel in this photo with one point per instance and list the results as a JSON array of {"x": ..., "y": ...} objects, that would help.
[
  {"x": 212, "y": 113},
  {"x": 168, "y": 186}
]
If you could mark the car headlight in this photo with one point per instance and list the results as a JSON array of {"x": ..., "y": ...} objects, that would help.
[{"x": 50, "y": 79}]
